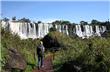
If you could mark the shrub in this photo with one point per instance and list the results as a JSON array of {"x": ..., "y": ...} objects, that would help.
[{"x": 88, "y": 55}]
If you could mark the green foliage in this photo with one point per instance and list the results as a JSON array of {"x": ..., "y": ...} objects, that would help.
[
  {"x": 52, "y": 29},
  {"x": 83, "y": 23},
  {"x": 28, "y": 69},
  {"x": 95, "y": 22},
  {"x": 61, "y": 22},
  {"x": 26, "y": 47},
  {"x": 93, "y": 59}
]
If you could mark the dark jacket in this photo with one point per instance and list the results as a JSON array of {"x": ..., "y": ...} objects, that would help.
[{"x": 40, "y": 50}]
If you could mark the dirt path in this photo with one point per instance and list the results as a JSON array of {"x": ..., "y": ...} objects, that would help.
[{"x": 48, "y": 67}]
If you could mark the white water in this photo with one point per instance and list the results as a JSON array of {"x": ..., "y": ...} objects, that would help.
[{"x": 32, "y": 30}]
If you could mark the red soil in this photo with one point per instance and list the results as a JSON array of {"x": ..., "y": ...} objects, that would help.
[{"x": 48, "y": 67}]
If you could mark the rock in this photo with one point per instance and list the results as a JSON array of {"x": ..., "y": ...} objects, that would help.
[
  {"x": 50, "y": 42},
  {"x": 15, "y": 60},
  {"x": 106, "y": 34}
]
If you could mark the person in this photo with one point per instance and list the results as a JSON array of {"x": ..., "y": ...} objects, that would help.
[{"x": 40, "y": 53}]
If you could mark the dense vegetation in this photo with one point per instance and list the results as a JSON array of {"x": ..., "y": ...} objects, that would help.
[
  {"x": 82, "y": 55},
  {"x": 73, "y": 55},
  {"x": 25, "y": 47}
]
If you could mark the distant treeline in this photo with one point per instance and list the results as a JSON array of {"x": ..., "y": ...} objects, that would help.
[{"x": 93, "y": 22}]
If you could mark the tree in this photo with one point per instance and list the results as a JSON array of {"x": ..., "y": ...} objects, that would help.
[
  {"x": 95, "y": 22},
  {"x": 25, "y": 20},
  {"x": 65, "y": 22},
  {"x": 5, "y": 19},
  {"x": 39, "y": 22},
  {"x": 52, "y": 29},
  {"x": 56, "y": 22},
  {"x": 61, "y": 22},
  {"x": 14, "y": 18},
  {"x": 83, "y": 23}
]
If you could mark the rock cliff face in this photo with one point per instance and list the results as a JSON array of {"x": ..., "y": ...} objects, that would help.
[{"x": 38, "y": 30}]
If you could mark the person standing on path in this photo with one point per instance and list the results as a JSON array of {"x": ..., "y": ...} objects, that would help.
[{"x": 40, "y": 54}]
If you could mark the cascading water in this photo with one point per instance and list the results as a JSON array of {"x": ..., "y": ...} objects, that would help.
[{"x": 38, "y": 30}]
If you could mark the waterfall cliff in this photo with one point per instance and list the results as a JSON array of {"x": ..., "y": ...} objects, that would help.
[{"x": 38, "y": 30}]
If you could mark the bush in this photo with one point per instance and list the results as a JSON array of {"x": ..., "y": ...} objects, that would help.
[{"x": 87, "y": 55}]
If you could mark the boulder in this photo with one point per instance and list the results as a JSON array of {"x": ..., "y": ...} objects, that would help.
[
  {"x": 50, "y": 42},
  {"x": 15, "y": 60}
]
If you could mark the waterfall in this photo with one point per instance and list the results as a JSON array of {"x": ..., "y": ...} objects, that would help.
[
  {"x": 31, "y": 31},
  {"x": 39, "y": 30},
  {"x": 78, "y": 31},
  {"x": 88, "y": 31},
  {"x": 4, "y": 24},
  {"x": 58, "y": 27}
]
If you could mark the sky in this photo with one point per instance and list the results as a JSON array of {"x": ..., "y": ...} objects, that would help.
[{"x": 47, "y": 11}]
